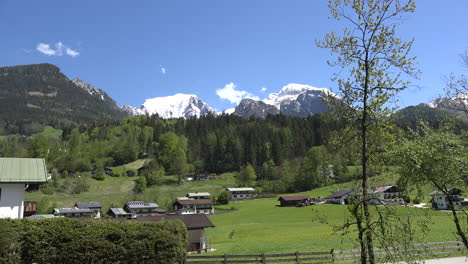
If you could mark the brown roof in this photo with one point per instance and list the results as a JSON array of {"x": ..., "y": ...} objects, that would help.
[
  {"x": 294, "y": 197},
  {"x": 194, "y": 201},
  {"x": 192, "y": 221}
]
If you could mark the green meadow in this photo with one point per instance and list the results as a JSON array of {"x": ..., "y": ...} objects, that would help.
[
  {"x": 260, "y": 226},
  {"x": 253, "y": 226}
]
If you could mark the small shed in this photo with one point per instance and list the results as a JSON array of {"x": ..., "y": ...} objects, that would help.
[{"x": 295, "y": 200}]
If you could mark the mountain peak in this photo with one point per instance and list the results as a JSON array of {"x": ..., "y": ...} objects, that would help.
[{"x": 176, "y": 106}]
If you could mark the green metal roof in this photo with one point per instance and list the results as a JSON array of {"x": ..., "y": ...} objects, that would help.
[{"x": 22, "y": 170}]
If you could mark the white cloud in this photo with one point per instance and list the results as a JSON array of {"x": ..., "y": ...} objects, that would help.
[
  {"x": 230, "y": 93},
  {"x": 72, "y": 53},
  {"x": 263, "y": 89},
  {"x": 45, "y": 49},
  {"x": 163, "y": 70}
]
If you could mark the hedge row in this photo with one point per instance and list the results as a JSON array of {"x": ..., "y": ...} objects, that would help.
[{"x": 67, "y": 240}]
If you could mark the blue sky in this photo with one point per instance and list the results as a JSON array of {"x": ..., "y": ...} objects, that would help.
[{"x": 136, "y": 50}]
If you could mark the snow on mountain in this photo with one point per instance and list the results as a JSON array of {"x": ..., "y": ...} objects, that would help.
[
  {"x": 175, "y": 106},
  {"x": 131, "y": 110},
  {"x": 456, "y": 105},
  {"x": 94, "y": 91},
  {"x": 291, "y": 92}
]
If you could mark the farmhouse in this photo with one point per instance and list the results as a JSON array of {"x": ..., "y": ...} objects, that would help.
[
  {"x": 74, "y": 212},
  {"x": 440, "y": 200},
  {"x": 16, "y": 174},
  {"x": 194, "y": 206},
  {"x": 384, "y": 195},
  {"x": 295, "y": 200},
  {"x": 241, "y": 193},
  {"x": 195, "y": 223},
  {"x": 340, "y": 197},
  {"x": 94, "y": 206},
  {"x": 141, "y": 208}
]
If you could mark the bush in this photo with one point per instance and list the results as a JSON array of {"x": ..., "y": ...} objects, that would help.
[
  {"x": 65, "y": 240},
  {"x": 47, "y": 188},
  {"x": 416, "y": 201},
  {"x": 9, "y": 241},
  {"x": 223, "y": 198}
]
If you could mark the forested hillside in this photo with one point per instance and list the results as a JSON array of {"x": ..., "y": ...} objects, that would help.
[{"x": 32, "y": 96}]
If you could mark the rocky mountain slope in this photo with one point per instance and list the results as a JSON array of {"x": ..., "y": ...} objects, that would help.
[{"x": 293, "y": 99}]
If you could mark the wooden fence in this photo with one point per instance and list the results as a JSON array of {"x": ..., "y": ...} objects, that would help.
[{"x": 425, "y": 250}]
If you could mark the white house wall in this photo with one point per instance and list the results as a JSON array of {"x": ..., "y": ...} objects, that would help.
[
  {"x": 197, "y": 236},
  {"x": 11, "y": 201}
]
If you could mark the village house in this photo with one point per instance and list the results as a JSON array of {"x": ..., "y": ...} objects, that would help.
[
  {"x": 16, "y": 174},
  {"x": 295, "y": 200},
  {"x": 74, "y": 212},
  {"x": 120, "y": 213},
  {"x": 195, "y": 223},
  {"x": 440, "y": 200},
  {"x": 194, "y": 206},
  {"x": 141, "y": 208},
  {"x": 241, "y": 193},
  {"x": 340, "y": 197},
  {"x": 198, "y": 195},
  {"x": 202, "y": 176},
  {"x": 94, "y": 206},
  {"x": 384, "y": 195}
]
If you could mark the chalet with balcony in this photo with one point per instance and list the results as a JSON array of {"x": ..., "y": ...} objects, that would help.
[
  {"x": 74, "y": 213},
  {"x": 241, "y": 193},
  {"x": 194, "y": 206}
]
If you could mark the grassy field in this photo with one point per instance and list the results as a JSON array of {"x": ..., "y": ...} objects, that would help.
[{"x": 259, "y": 226}]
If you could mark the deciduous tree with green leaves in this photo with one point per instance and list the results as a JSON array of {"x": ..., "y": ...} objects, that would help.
[
  {"x": 438, "y": 158},
  {"x": 371, "y": 59}
]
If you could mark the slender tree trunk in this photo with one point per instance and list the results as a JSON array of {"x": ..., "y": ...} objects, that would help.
[
  {"x": 365, "y": 158},
  {"x": 358, "y": 217},
  {"x": 457, "y": 222}
]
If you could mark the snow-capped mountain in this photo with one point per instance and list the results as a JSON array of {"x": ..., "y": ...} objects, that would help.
[
  {"x": 293, "y": 99},
  {"x": 175, "y": 106},
  {"x": 456, "y": 105},
  {"x": 291, "y": 92},
  {"x": 131, "y": 110}
]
